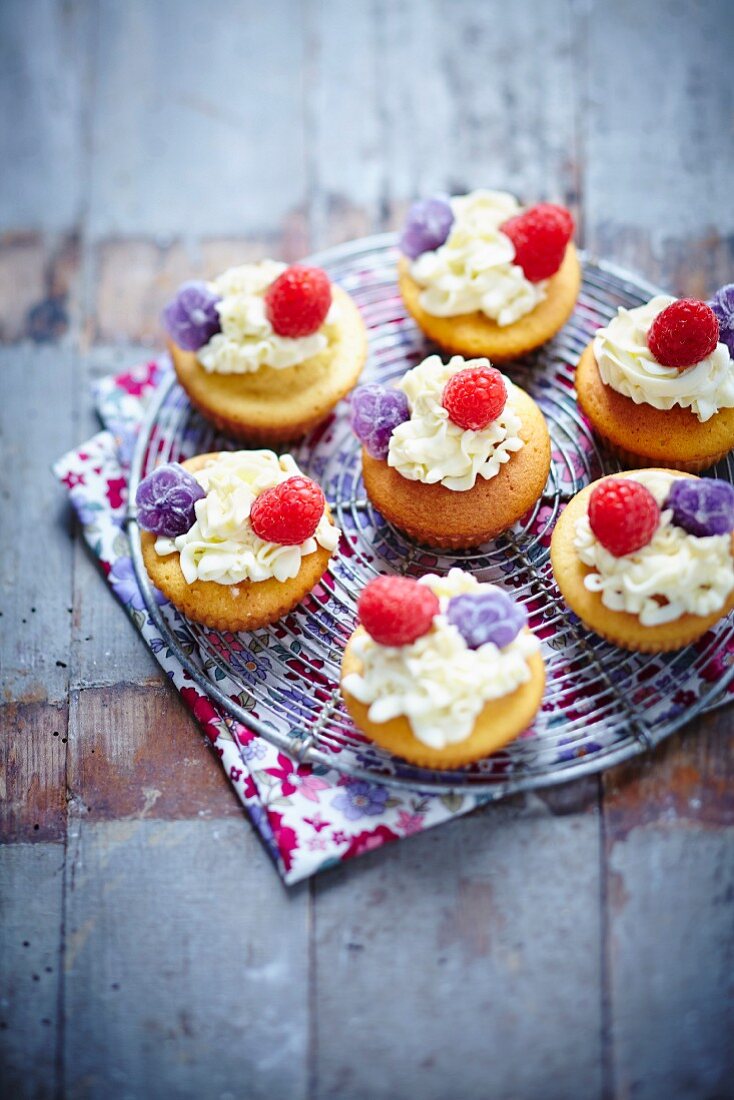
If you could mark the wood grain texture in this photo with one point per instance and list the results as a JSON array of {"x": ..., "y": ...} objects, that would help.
[
  {"x": 225, "y": 121},
  {"x": 459, "y": 964},
  {"x": 33, "y": 740},
  {"x": 185, "y": 964},
  {"x": 31, "y": 919},
  {"x": 35, "y": 566},
  {"x": 574, "y": 944},
  {"x": 669, "y": 884},
  {"x": 137, "y": 752},
  {"x": 659, "y": 150},
  {"x": 38, "y": 285},
  {"x": 44, "y": 73}
]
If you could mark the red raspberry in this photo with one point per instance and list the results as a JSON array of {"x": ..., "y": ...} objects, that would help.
[
  {"x": 298, "y": 301},
  {"x": 288, "y": 513},
  {"x": 623, "y": 515},
  {"x": 540, "y": 236},
  {"x": 474, "y": 397},
  {"x": 684, "y": 333},
  {"x": 396, "y": 610}
]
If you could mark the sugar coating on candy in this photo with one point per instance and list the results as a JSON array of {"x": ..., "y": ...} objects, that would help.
[
  {"x": 427, "y": 226},
  {"x": 484, "y": 617},
  {"x": 375, "y": 411},
  {"x": 474, "y": 397},
  {"x": 702, "y": 506},
  {"x": 684, "y": 333},
  {"x": 396, "y": 611},
  {"x": 191, "y": 318},
  {"x": 165, "y": 500},
  {"x": 540, "y": 235},
  {"x": 297, "y": 302},
  {"x": 288, "y": 513},
  {"x": 722, "y": 304},
  {"x": 623, "y": 515}
]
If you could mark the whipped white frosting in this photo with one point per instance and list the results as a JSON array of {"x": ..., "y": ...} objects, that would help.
[
  {"x": 438, "y": 683},
  {"x": 222, "y": 546},
  {"x": 627, "y": 365},
  {"x": 247, "y": 341},
  {"x": 674, "y": 574},
  {"x": 431, "y": 448},
  {"x": 474, "y": 268}
]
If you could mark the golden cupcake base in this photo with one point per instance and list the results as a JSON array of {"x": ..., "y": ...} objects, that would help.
[{"x": 499, "y": 722}]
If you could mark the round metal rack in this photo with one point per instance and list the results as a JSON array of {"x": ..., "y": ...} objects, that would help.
[{"x": 602, "y": 704}]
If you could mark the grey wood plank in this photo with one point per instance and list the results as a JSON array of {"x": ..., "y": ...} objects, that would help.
[
  {"x": 413, "y": 98},
  {"x": 508, "y": 126},
  {"x": 659, "y": 154},
  {"x": 345, "y": 137},
  {"x": 656, "y": 198},
  {"x": 672, "y": 957},
  {"x": 36, "y": 427},
  {"x": 185, "y": 964},
  {"x": 31, "y": 882},
  {"x": 43, "y": 88},
  {"x": 669, "y": 884},
  {"x": 464, "y": 962},
  {"x": 197, "y": 124}
]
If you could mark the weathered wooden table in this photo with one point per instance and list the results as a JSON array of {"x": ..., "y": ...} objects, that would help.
[{"x": 574, "y": 944}]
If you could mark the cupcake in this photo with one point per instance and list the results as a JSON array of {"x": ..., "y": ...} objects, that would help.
[
  {"x": 483, "y": 276},
  {"x": 442, "y": 671},
  {"x": 657, "y": 385},
  {"x": 645, "y": 558},
  {"x": 454, "y": 454},
  {"x": 266, "y": 351},
  {"x": 236, "y": 539}
]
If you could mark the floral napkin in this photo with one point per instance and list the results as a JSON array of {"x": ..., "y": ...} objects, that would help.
[{"x": 309, "y": 818}]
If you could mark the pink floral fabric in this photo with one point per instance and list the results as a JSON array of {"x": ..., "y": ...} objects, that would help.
[{"x": 309, "y": 818}]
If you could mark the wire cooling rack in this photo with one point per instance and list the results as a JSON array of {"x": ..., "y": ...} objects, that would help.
[{"x": 601, "y": 705}]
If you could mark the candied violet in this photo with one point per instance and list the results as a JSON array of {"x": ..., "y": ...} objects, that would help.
[
  {"x": 375, "y": 412},
  {"x": 490, "y": 616},
  {"x": 166, "y": 499},
  {"x": 722, "y": 304},
  {"x": 191, "y": 318},
  {"x": 702, "y": 506},
  {"x": 427, "y": 226}
]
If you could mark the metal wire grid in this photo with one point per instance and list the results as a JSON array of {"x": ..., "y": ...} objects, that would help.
[{"x": 602, "y": 704}]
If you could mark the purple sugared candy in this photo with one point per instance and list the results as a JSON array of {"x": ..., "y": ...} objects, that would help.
[
  {"x": 166, "y": 500},
  {"x": 375, "y": 412},
  {"x": 427, "y": 226},
  {"x": 722, "y": 304},
  {"x": 487, "y": 617},
  {"x": 191, "y": 318},
  {"x": 702, "y": 506}
]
